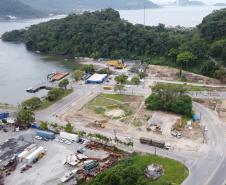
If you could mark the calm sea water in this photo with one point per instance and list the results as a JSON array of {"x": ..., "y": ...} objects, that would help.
[
  {"x": 170, "y": 16},
  {"x": 20, "y": 69}
]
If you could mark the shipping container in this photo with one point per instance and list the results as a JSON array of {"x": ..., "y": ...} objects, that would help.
[
  {"x": 45, "y": 134},
  {"x": 4, "y": 115},
  {"x": 68, "y": 136}
]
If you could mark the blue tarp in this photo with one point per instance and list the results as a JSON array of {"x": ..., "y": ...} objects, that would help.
[{"x": 196, "y": 117}]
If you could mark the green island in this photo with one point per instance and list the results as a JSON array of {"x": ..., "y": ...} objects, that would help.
[{"x": 103, "y": 34}]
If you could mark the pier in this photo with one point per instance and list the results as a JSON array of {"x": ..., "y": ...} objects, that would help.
[{"x": 38, "y": 87}]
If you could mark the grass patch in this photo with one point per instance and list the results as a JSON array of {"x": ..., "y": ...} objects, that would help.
[
  {"x": 107, "y": 102},
  {"x": 137, "y": 123},
  {"x": 189, "y": 87},
  {"x": 46, "y": 103},
  {"x": 118, "y": 97},
  {"x": 131, "y": 171}
]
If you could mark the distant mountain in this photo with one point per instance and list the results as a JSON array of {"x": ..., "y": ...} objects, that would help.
[
  {"x": 189, "y": 3},
  {"x": 12, "y": 9},
  {"x": 70, "y": 5},
  {"x": 220, "y": 4}
]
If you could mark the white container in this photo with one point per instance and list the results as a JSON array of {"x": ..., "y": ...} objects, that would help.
[
  {"x": 35, "y": 154},
  {"x": 68, "y": 136},
  {"x": 27, "y": 152}
]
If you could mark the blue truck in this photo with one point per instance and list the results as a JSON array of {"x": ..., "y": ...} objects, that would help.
[
  {"x": 4, "y": 115},
  {"x": 45, "y": 134}
]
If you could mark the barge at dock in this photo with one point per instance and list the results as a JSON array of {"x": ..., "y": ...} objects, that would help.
[{"x": 48, "y": 85}]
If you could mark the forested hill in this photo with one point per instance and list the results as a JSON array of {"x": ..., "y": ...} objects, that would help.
[
  {"x": 71, "y": 5},
  {"x": 100, "y": 33},
  {"x": 17, "y": 9},
  {"x": 105, "y": 34},
  {"x": 213, "y": 29}
]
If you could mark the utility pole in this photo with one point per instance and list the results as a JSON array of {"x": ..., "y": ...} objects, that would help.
[
  {"x": 144, "y": 16},
  {"x": 77, "y": 8}
]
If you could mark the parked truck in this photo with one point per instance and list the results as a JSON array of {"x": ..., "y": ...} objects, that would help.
[
  {"x": 45, "y": 134},
  {"x": 151, "y": 142}
]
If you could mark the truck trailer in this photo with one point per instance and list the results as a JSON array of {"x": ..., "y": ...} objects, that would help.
[
  {"x": 68, "y": 136},
  {"x": 151, "y": 142},
  {"x": 35, "y": 155},
  {"x": 45, "y": 134}
]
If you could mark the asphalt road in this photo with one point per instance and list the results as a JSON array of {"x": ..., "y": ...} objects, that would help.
[{"x": 206, "y": 167}]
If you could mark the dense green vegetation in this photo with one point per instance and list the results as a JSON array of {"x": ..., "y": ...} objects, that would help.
[
  {"x": 170, "y": 97},
  {"x": 213, "y": 29},
  {"x": 25, "y": 117},
  {"x": 70, "y": 5},
  {"x": 104, "y": 34},
  {"x": 130, "y": 171},
  {"x": 53, "y": 96},
  {"x": 17, "y": 9}
]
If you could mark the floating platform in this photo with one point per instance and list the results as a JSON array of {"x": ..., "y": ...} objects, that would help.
[
  {"x": 57, "y": 76},
  {"x": 38, "y": 87}
]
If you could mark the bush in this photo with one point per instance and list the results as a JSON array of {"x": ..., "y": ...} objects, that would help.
[
  {"x": 44, "y": 125},
  {"x": 69, "y": 128},
  {"x": 33, "y": 103},
  {"x": 54, "y": 94}
]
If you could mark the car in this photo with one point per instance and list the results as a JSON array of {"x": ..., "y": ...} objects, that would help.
[
  {"x": 38, "y": 137},
  {"x": 68, "y": 142},
  {"x": 81, "y": 150},
  {"x": 45, "y": 149},
  {"x": 45, "y": 139},
  {"x": 61, "y": 141}
]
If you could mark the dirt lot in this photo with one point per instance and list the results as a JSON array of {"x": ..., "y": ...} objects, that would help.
[
  {"x": 216, "y": 105},
  {"x": 133, "y": 124},
  {"x": 168, "y": 73}
]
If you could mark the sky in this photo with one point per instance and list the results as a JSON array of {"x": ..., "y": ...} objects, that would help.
[{"x": 205, "y": 1}]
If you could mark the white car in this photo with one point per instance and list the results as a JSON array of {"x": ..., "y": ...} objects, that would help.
[
  {"x": 68, "y": 142},
  {"x": 38, "y": 137}
]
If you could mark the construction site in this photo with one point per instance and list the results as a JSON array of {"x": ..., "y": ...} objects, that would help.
[{"x": 126, "y": 115}]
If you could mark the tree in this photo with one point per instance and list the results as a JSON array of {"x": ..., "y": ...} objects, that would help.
[
  {"x": 54, "y": 94},
  {"x": 64, "y": 83},
  {"x": 142, "y": 75},
  {"x": 33, "y": 103},
  {"x": 121, "y": 79},
  {"x": 44, "y": 125},
  {"x": 183, "y": 59},
  {"x": 170, "y": 97},
  {"x": 25, "y": 117},
  {"x": 69, "y": 128},
  {"x": 89, "y": 68},
  {"x": 77, "y": 75},
  {"x": 173, "y": 54},
  {"x": 119, "y": 88},
  {"x": 135, "y": 80}
]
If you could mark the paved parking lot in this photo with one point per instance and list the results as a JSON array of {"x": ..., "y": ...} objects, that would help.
[{"x": 49, "y": 169}]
